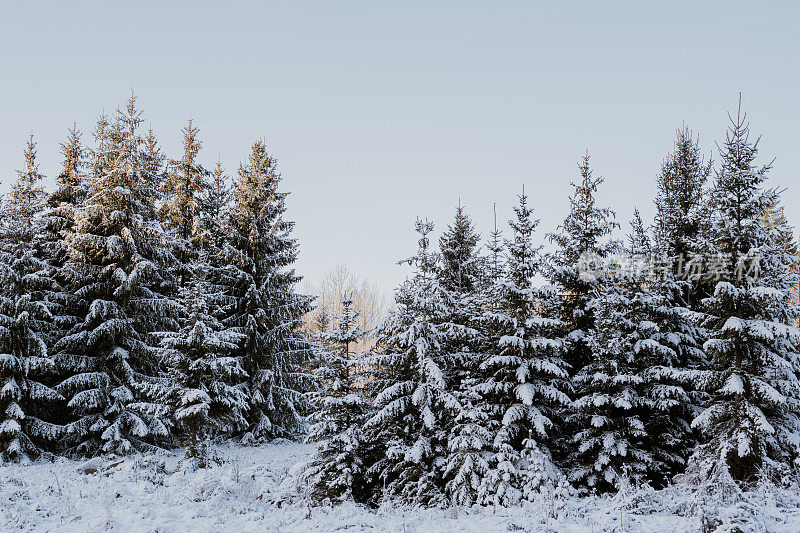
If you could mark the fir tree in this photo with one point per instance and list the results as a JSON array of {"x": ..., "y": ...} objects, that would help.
[
  {"x": 213, "y": 204},
  {"x": 409, "y": 430},
  {"x": 751, "y": 423},
  {"x": 70, "y": 189},
  {"x": 26, "y": 370},
  {"x": 336, "y": 473},
  {"x": 523, "y": 373},
  {"x": 579, "y": 246},
  {"x": 495, "y": 248},
  {"x": 183, "y": 189},
  {"x": 261, "y": 302},
  {"x": 682, "y": 217},
  {"x": 461, "y": 268},
  {"x": 462, "y": 276},
  {"x": 113, "y": 384},
  {"x": 206, "y": 395},
  {"x": 59, "y": 223},
  {"x": 638, "y": 241}
]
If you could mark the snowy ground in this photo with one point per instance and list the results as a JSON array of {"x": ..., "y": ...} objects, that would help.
[{"x": 165, "y": 493}]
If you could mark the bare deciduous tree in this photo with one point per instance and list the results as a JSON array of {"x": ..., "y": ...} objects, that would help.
[{"x": 369, "y": 302}]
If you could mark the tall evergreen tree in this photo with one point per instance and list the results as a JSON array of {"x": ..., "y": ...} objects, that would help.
[
  {"x": 205, "y": 395},
  {"x": 183, "y": 190},
  {"x": 579, "y": 244},
  {"x": 26, "y": 400},
  {"x": 462, "y": 275},
  {"x": 751, "y": 423},
  {"x": 409, "y": 430},
  {"x": 261, "y": 302},
  {"x": 495, "y": 248},
  {"x": 629, "y": 417},
  {"x": 682, "y": 227},
  {"x": 114, "y": 389},
  {"x": 213, "y": 205},
  {"x": 59, "y": 223},
  {"x": 638, "y": 240},
  {"x": 336, "y": 472},
  {"x": 461, "y": 268},
  {"x": 70, "y": 189},
  {"x": 523, "y": 373}
]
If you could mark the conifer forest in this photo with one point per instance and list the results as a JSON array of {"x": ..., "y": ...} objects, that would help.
[{"x": 150, "y": 308}]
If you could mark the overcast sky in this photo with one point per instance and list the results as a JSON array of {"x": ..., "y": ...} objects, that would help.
[{"x": 378, "y": 114}]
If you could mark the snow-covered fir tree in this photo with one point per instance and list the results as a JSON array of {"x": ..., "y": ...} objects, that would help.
[
  {"x": 27, "y": 402},
  {"x": 462, "y": 275},
  {"x": 580, "y": 245},
  {"x": 213, "y": 205},
  {"x": 206, "y": 393},
  {"x": 69, "y": 194},
  {"x": 461, "y": 267},
  {"x": 630, "y": 415},
  {"x": 682, "y": 228},
  {"x": 183, "y": 189},
  {"x": 59, "y": 223},
  {"x": 494, "y": 261},
  {"x": 414, "y": 406},
  {"x": 336, "y": 472},
  {"x": 114, "y": 388},
  {"x": 259, "y": 287},
  {"x": 522, "y": 376},
  {"x": 751, "y": 423}
]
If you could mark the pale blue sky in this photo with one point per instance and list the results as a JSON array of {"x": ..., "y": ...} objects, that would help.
[{"x": 380, "y": 113}]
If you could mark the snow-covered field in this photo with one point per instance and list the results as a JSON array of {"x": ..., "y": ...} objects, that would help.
[{"x": 243, "y": 491}]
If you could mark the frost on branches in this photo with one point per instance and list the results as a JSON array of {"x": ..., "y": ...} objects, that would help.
[{"x": 751, "y": 425}]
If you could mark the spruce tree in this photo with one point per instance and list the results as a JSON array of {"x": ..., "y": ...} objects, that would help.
[
  {"x": 751, "y": 423},
  {"x": 183, "y": 189},
  {"x": 462, "y": 276},
  {"x": 258, "y": 287},
  {"x": 629, "y": 417},
  {"x": 414, "y": 406},
  {"x": 70, "y": 191},
  {"x": 579, "y": 245},
  {"x": 461, "y": 268},
  {"x": 494, "y": 263},
  {"x": 26, "y": 370},
  {"x": 213, "y": 205},
  {"x": 205, "y": 393},
  {"x": 682, "y": 216},
  {"x": 114, "y": 389},
  {"x": 523, "y": 374},
  {"x": 59, "y": 223},
  {"x": 336, "y": 472}
]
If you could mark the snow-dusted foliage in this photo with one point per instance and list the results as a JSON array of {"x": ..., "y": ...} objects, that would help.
[
  {"x": 682, "y": 224},
  {"x": 120, "y": 272},
  {"x": 258, "y": 287},
  {"x": 751, "y": 424},
  {"x": 27, "y": 402},
  {"x": 632, "y": 413},
  {"x": 206, "y": 396},
  {"x": 462, "y": 274},
  {"x": 147, "y": 304},
  {"x": 579, "y": 241},
  {"x": 183, "y": 189},
  {"x": 523, "y": 373},
  {"x": 415, "y": 405},
  {"x": 133, "y": 320},
  {"x": 336, "y": 473}
]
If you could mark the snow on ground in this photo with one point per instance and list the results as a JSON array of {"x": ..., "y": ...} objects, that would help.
[{"x": 242, "y": 492}]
